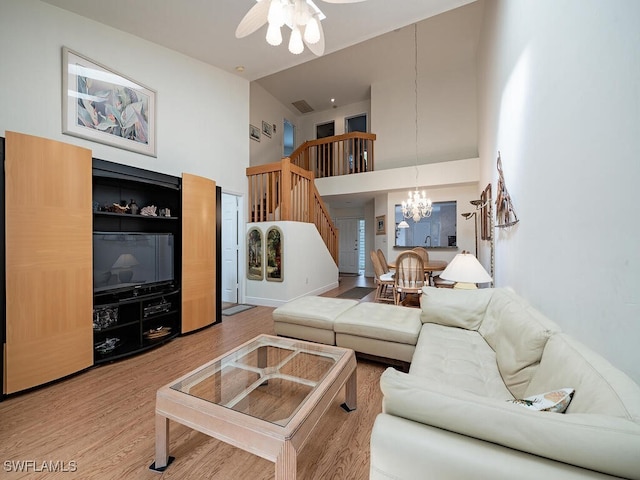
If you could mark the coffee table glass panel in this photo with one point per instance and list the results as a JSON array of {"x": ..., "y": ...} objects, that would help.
[{"x": 269, "y": 378}]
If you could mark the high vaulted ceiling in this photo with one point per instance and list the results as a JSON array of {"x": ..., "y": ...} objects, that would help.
[{"x": 205, "y": 30}]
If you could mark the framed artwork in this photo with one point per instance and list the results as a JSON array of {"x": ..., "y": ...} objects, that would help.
[
  {"x": 274, "y": 255},
  {"x": 254, "y": 254},
  {"x": 254, "y": 133},
  {"x": 381, "y": 227},
  {"x": 104, "y": 106},
  {"x": 266, "y": 129}
]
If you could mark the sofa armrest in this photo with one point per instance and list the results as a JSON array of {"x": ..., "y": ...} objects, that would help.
[{"x": 598, "y": 442}]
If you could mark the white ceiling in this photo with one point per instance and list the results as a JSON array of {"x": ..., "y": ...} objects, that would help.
[{"x": 205, "y": 30}]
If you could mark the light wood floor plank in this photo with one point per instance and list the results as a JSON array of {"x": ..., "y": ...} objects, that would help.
[{"x": 103, "y": 419}]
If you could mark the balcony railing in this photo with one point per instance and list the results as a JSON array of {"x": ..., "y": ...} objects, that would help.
[{"x": 338, "y": 155}]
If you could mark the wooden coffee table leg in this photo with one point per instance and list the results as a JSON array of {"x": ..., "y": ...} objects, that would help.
[
  {"x": 286, "y": 463},
  {"x": 162, "y": 444},
  {"x": 351, "y": 393}
]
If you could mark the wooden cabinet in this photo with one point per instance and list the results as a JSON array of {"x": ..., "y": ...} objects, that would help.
[
  {"x": 48, "y": 270},
  {"x": 198, "y": 252}
]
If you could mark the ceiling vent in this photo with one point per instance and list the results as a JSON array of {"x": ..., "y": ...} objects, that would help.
[{"x": 302, "y": 106}]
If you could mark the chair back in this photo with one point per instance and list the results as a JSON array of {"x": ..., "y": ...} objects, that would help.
[
  {"x": 377, "y": 266},
  {"x": 409, "y": 272},
  {"x": 383, "y": 261},
  {"x": 423, "y": 253}
]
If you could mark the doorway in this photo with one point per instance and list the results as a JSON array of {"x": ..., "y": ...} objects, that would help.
[
  {"x": 288, "y": 138},
  {"x": 325, "y": 152},
  {"x": 349, "y": 245},
  {"x": 356, "y": 150},
  {"x": 230, "y": 249}
]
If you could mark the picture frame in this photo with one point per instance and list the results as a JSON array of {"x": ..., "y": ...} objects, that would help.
[
  {"x": 254, "y": 133},
  {"x": 381, "y": 226},
  {"x": 274, "y": 244},
  {"x": 254, "y": 254},
  {"x": 266, "y": 129},
  {"x": 104, "y": 106}
]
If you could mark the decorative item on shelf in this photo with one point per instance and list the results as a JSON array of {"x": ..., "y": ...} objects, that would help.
[
  {"x": 417, "y": 205},
  {"x": 505, "y": 214},
  {"x": 156, "y": 333},
  {"x": 133, "y": 207},
  {"x": 108, "y": 345},
  {"x": 104, "y": 317},
  {"x": 121, "y": 207},
  {"x": 466, "y": 271},
  {"x": 96, "y": 206},
  {"x": 149, "y": 211}
]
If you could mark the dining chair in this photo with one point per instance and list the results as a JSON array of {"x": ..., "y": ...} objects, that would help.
[
  {"x": 409, "y": 277},
  {"x": 383, "y": 261},
  {"x": 383, "y": 287},
  {"x": 425, "y": 258}
]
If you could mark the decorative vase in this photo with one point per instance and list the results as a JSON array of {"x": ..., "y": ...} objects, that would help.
[{"x": 134, "y": 207}]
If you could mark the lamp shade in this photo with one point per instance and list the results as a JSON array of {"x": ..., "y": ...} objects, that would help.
[{"x": 465, "y": 268}]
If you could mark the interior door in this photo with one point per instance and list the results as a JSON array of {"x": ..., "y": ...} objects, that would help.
[
  {"x": 198, "y": 252},
  {"x": 349, "y": 245},
  {"x": 49, "y": 280},
  {"x": 230, "y": 248}
]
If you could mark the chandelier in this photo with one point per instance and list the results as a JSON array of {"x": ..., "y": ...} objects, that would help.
[
  {"x": 418, "y": 205},
  {"x": 301, "y": 16}
]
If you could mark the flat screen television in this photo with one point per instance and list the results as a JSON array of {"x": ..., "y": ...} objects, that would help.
[{"x": 124, "y": 261}]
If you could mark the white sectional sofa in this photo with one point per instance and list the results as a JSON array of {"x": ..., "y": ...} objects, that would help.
[
  {"x": 472, "y": 353},
  {"x": 449, "y": 418}
]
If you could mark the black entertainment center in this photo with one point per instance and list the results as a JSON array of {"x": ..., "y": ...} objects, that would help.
[{"x": 136, "y": 259}]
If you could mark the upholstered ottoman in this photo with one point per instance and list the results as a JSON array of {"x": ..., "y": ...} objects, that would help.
[
  {"x": 387, "y": 331},
  {"x": 311, "y": 318}
]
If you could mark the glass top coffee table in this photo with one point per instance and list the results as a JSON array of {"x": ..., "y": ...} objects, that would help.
[{"x": 264, "y": 397}]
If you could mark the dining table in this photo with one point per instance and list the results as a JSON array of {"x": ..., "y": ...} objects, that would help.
[{"x": 428, "y": 267}]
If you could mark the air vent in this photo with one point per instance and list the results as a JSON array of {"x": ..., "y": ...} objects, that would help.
[{"x": 303, "y": 106}]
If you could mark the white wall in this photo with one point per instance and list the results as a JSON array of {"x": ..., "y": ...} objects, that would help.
[
  {"x": 558, "y": 83},
  {"x": 265, "y": 107},
  {"x": 202, "y": 112},
  {"x": 304, "y": 273},
  {"x": 310, "y": 120}
]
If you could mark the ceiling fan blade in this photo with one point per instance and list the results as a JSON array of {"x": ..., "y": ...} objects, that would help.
[
  {"x": 344, "y": 1},
  {"x": 254, "y": 19},
  {"x": 318, "y": 47}
]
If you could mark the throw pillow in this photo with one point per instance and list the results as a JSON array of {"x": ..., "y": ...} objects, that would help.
[{"x": 556, "y": 401}]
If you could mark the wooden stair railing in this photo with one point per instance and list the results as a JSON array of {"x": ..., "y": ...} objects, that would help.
[
  {"x": 281, "y": 191},
  {"x": 337, "y": 155}
]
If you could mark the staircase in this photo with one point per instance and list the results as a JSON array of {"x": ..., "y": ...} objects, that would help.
[{"x": 285, "y": 190}]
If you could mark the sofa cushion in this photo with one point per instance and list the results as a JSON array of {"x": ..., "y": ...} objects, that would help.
[
  {"x": 384, "y": 322},
  {"x": 313, "y": 311},
  {"x": 556, "y": 401},
  {"x": 457, "y": 357},
  {"x": 600, "y": 387},
  {"x": 517, "y": 333},
  {"x": 598, "y": 442},
  {"x": 454, "y": 307}
]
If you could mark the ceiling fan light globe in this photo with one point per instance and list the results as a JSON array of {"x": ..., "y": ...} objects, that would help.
[
  {"x": 312, "y": 31},
  {"x": 276, "y": 15},
  {"x": 295, "y": 41},
  {"x": 274, "y": 35}
]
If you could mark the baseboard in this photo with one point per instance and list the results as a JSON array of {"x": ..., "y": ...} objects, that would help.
[{"x": 272, "y": 302}]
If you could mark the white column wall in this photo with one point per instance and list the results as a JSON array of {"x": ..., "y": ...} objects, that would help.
[{"x": 558, "y": 84}]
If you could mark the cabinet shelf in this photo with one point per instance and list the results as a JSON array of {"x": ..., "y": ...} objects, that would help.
[{"x": 135, "y": 308}]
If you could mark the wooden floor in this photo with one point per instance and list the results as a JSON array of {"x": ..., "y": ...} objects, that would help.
[{"x": 100, "y": 422}]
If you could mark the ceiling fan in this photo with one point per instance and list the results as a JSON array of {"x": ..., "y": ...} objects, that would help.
[{"x": 303, "y": 17}]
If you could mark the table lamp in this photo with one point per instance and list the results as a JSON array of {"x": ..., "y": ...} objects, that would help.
[{"x": 466, "y": 271}]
